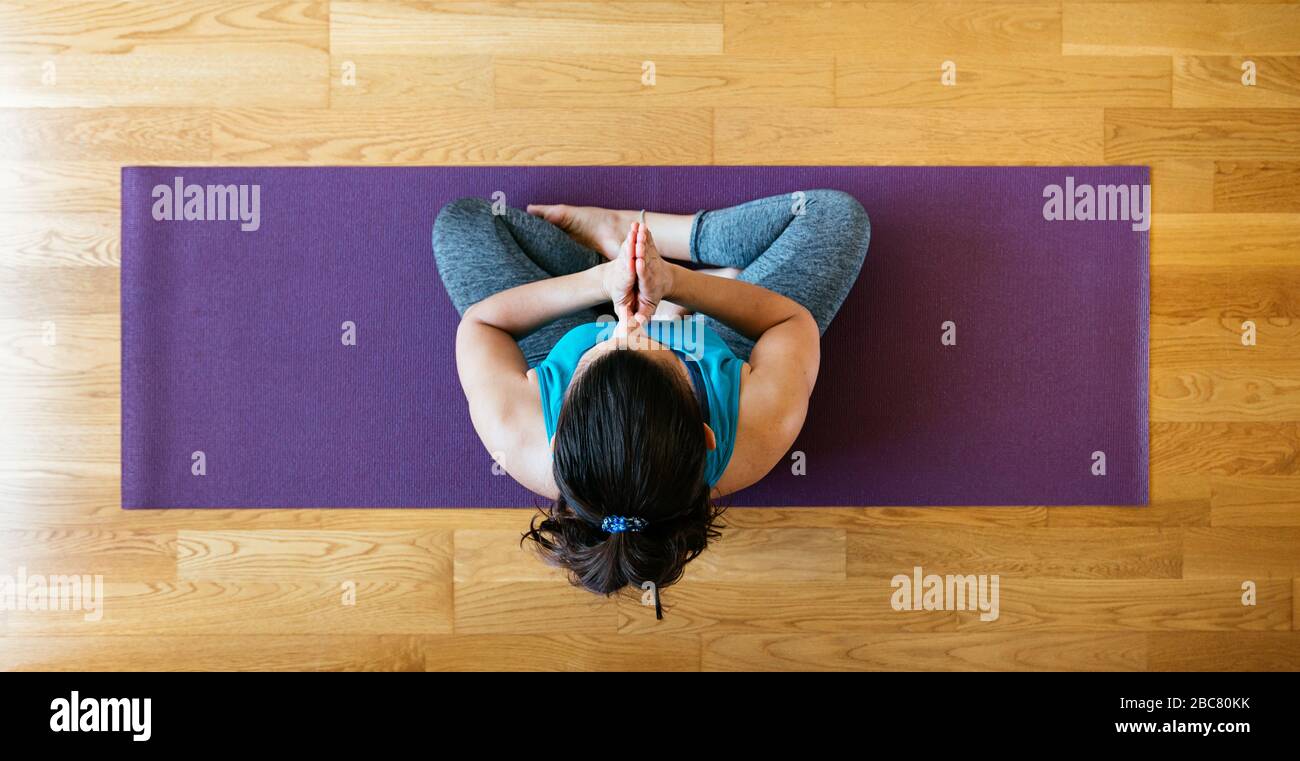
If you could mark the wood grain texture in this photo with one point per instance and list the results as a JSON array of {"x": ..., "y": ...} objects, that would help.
[
  {"x": 1217, "y": 82},
  {"x": 1182, "y": 185},
  {"x": 1211, "y": 133},
  {"x": 931, "y": 652},
  {"x": 1021, "y": 81},
  {"x": 1151, "y": 28},
  {"x": 51, "y": 27},
  {"x": 122, "y": 135},
  {"x": 1249, "y": 293},
  {"x": 1258, "y": 186},
  {"x": 1251, "y": 240},
  {"x": 1026, "y": 604},
  {"x": 215, "y": 76},
  {"x": 366, "y": 81},
  {"x": 849, "y": 28},
  {"x": 1219, "y": 651},
  {"x": 402, "y": 135},
  {"x": 396, "y": 82},
  {"x": 1081, "y": 553},
  {"x": 535, "y": 28},
  {"x": 678, "y": 81},
  {"x": 907, "y": 136},
  {"x": 1255, "y": 501}
]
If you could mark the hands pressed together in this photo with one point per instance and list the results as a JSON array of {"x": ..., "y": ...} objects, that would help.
[{"x": 638, "y": 278}]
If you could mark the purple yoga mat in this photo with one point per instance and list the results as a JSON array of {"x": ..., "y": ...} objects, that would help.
[{"x": 232, "y": 339}]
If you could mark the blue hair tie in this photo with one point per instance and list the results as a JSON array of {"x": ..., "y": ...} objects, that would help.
[{"x": 617, "y": 524}]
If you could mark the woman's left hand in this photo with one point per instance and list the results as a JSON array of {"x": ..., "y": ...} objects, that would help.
[{"x": 619, "y": 282}]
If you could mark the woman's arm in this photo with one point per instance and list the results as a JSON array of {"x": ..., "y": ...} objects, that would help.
[
  {"x": 783, "y": 364},
  {"x": 783, "y": 368},
  {"x": 504, "y": 402},
  {"x": 525, "y": 308}
]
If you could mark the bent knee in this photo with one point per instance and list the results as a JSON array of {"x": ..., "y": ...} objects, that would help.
[
  {"x": 837, "y": 203},
  {"x": 467, "y": 209},
  {"x": 457, "y": 221},
  {"x": 843, "y": 214}
]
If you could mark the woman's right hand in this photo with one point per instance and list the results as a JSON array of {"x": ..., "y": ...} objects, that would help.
[{"x": 654, "y": 276}]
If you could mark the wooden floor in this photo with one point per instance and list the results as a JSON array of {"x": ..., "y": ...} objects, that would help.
[{"x": 86, "y": 87}]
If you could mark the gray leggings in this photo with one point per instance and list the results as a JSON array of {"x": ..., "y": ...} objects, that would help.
[{"x": 811, "y": 255}]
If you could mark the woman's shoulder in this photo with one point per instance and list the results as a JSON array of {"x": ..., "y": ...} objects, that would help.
[{"x": 768, "y": 421}]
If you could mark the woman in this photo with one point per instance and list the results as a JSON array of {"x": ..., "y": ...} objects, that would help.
[{"x": 631, "y": 428}]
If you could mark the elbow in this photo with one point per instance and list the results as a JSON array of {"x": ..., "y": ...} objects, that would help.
[
  {"x": 478, "y": 314},
  {"x": 472, "y": 314},
  {"x": 808, "y": 325}
]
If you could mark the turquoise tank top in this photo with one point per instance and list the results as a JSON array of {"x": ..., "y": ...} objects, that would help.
[{"x": 714, "y": 369}]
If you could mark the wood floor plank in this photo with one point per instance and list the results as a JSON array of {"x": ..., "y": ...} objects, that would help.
[
  {"x": 532, "y": 607},
  {"x": 1223, "y": 394},
  {"x": 1220, "y": 82},
  {"x": 45, "y": 293},
  {"x": 1221, "y": 651},
  {"x": 1226, "y": 449},
  {"x": 1019, "y": 81},
  {"x": 46, "y": 239},
  {"x": 164, "y": 608},
  {"x": 213, "y": 74},
  {"x": 218, "y": 652},
  {"x": 350, "y": 652},
  {"x": 1181, "y": 186},
  {"x": 907, "y": 136},
  {"x": 1159, "y": 605},
  {"x": 1196, "y": 342},
  {"x": 1240, "y": 240},
  {"x": 1025, "y": 604},
  {"x": 1255, "y": 293},
  {"x": 61, "y": 371},
  {"x": 60, "y": 187},
  {"x": 1254, "y": 502},
  {"x": 858, "y": 518},
  {"x": 1257, "y": 186},
  {"x": 560, "y": 652},
  {"x": 1063, "y": 553},
  {"x": 782, "y": 554},
  {"x": 513, "y": 520},
  {"x": 461, "y": 136},
  {"x": 678, "y": 82},
  {"x": 266, "y": 555},
  {"x": 944, "y": 29},
  {"x": 792, "y": 554},
  {"x": 932, "y": 652},
  {"x": 51, "y": 27},
  {"x": 68, "y": 452},
  {"x": 125, "y": 135},
  {"x": 1146, "y": 134},
  {"x": 114, "y": 554},
  {"x": 859, "y": 605},
  {"x": 581, "y": 28},
  {"x": 427, "y": 81},
  {"x": 1201, "y": 371},
  {"x": 1155, "y": 28},
  {"x": 488, "y": 555},
  {"x": 1242, "y": 553}
]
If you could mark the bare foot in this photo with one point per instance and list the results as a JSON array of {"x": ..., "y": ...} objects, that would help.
[{"x": 601, "y": 230}]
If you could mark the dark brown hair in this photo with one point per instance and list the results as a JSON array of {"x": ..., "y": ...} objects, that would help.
[{"x": 629, "y": 442}]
